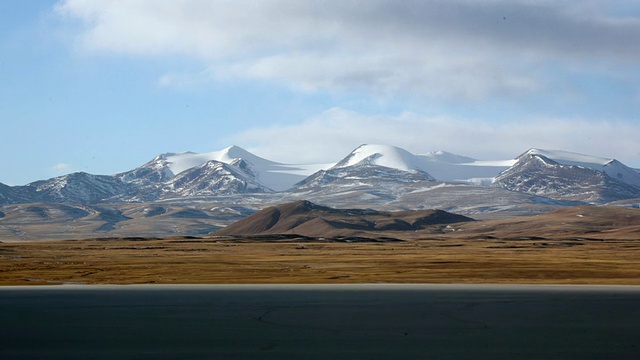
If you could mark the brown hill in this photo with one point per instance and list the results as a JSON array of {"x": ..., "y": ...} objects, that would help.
[
  {"x": 579, "y": 222},
  {"x": 308, "y": 219}
]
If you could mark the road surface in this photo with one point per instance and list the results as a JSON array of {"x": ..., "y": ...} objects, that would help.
[{"x": 320, "y": 322}]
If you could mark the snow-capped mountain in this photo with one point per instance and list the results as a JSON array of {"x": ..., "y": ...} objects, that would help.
[
  {"x": 166, "y": 176},
  {"x": 570, "y": 176},
  {"x": 183, "y": 175},
  {"x": 381, "y": 155},
  {"x": 371, "y": 164},
  {"x": 371, "y": 174},
  {"x": 269, "y": 174},
  {"x": 440, "y": 165},
  {"x": 391, "y": 178},
  {"x": 211, "y": 178}
]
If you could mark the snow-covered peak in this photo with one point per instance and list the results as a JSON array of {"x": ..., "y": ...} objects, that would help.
[
  {"x": 178, "y": 163},
  {"x": 382, "y": 155}
]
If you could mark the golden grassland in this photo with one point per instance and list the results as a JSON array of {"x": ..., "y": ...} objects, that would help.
[{"x": 242, "y": 261}]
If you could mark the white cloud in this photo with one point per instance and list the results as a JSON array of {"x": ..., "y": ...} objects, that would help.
[
  {"x": 460, "y": 49},
  {"x": 421, "y": 73},
  {"x": 62, "y": 168},
  {"x": 333, "y": 134}
]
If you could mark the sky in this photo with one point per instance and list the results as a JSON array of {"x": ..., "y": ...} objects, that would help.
[{"x": 105, "y": 86}]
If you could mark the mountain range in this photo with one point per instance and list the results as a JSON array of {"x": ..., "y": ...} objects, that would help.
[
  {"x": 195, "y": 194},
  {"x": 371, "y": 176}
]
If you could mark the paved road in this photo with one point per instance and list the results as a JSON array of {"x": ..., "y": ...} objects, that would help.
[{"x": 320, "y": 322}]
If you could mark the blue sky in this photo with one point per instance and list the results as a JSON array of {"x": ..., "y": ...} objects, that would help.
[{"x": 104, "y": 86}]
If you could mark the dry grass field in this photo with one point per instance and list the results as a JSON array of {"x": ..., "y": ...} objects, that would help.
[{"x": 212, "y": 261}]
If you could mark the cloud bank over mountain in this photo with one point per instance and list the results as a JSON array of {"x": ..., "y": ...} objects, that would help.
[{"x": 461, "y": 49}]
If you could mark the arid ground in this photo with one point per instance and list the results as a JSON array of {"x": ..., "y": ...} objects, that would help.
[{"x": 199, "y": 261}]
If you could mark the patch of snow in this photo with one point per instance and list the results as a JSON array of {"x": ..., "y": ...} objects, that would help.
[{"x": 498, "y": 163}]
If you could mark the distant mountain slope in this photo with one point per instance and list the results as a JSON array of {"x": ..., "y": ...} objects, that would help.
[
  {"x": 568, "y": 176},
  {"x": 13, "y": 194},
  {"x": 439, "y": 165},
  {"x": 308, "y": 219},
  {"x": 80, "y": 188},
  {"x": 372, "y": 175}
]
